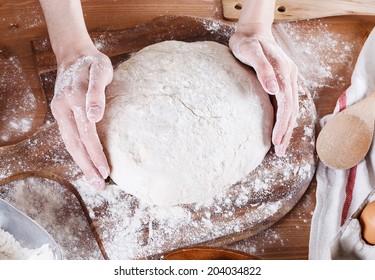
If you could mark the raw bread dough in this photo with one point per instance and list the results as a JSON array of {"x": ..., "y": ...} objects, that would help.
[{"x": 183, "y": 122}]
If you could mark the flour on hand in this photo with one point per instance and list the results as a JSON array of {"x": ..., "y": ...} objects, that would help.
[{"x": 183, "y": 122}]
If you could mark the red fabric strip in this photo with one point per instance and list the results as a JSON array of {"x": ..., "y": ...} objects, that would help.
[
  {"x": 352, "y": 173},
  {"x": 348, "y": 193},
  {"x": 342, "y": 101}
]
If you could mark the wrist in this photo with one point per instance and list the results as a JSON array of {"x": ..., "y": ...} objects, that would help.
[
  {"x": 69, "y": 52},
  {"x": 250, "y": 29},
  {"x": 256, "y": 17}
]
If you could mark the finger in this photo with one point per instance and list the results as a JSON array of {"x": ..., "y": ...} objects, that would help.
[
  {"x": 251, "y": 53},
  {"x": 100, "y": 76},
  {"x": 293, "y": 118},
  {"x": 90, "y": 139},
  {"x": 284, "y": 111},
  {"x": 70, "y": 135}
]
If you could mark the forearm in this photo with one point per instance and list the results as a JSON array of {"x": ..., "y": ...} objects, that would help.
[
  {"x": 66, "y": 26},
  {"x": 256, "y": 16}
]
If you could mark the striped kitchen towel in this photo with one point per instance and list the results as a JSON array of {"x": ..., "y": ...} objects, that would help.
[{"x": 341, "y": 192}]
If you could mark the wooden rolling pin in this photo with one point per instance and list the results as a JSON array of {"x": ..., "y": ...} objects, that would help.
[{"x": 291, "y": 10}]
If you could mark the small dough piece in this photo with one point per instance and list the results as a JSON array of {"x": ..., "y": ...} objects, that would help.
[{"x": 183, "y": 122}]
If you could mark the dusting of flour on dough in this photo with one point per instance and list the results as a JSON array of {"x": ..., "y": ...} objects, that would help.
[{"x": 183, "y": 122}]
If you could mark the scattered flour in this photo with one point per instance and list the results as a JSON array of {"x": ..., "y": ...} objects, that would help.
[
  {"x": 130, "y": 229},
  {"x": 57, "y": 210},
  {"x": 17, "y": 101},
  {"x": 22, "y": 19},
  {"x": 317, "y": 51},
  {"x": 218, "y": 28},
  {"x": 101, "y": 43},
  {"x": 55, "y": 157},
  {"x": 30, "y": 19},
  {"x": 11, "y": 249}
]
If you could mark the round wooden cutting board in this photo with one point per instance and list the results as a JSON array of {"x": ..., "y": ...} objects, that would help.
[{"x": 123, "y": 226}]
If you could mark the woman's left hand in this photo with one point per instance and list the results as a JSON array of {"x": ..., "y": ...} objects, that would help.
[{"x": 277, "y": 74}]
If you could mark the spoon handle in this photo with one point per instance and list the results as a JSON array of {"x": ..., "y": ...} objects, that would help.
[{"x": 364, "y": 109}]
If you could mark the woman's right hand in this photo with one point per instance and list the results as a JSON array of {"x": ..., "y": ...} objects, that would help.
[
  {"x": 82, "y": 75},
  {"x": 78, "y": 104}
]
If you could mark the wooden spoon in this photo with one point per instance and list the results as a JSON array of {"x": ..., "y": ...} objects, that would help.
[
  {"x": 207, "y": 253},
  {"x": 345, "y": 140}
]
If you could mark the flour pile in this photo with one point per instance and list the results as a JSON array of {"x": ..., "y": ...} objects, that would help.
[{"x": 11, "y": 249}]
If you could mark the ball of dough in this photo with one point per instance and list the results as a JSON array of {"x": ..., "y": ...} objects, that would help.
[{"x": 183, "y": 122}]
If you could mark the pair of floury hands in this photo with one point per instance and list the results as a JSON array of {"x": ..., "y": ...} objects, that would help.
[{"x": 79, "y": 99}]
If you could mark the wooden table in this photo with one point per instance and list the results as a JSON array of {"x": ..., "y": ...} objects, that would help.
[{"x": 22, "y": 21}]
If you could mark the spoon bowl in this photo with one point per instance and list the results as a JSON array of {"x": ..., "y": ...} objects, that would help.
[{"x": 346, "y": 139}]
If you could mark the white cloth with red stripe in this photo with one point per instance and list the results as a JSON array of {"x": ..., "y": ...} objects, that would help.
[{"x": 335, "y": 231}]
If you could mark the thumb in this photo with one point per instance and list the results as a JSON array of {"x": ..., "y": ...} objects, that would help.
[
  {"x": 266, "y": 75},
  {"x": 251, "y": 52},
  {"x": 100, "y": 77}
]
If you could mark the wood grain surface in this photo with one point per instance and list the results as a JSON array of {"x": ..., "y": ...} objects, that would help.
[
  {"x": 286, "y": 178},
  {"x": 288, "y": 10},
  {"x": 22, "y": 22}
]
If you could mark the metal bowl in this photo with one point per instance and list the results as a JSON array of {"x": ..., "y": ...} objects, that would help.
[{"x": 25, "y": 230}]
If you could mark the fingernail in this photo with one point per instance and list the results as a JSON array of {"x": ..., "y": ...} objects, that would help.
[
  {"x": 93, "y": 113},
  {"x": 98, "y": 184},
  {"x": 103, "y": 171},
  {"x": 272, "y": 86}
]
